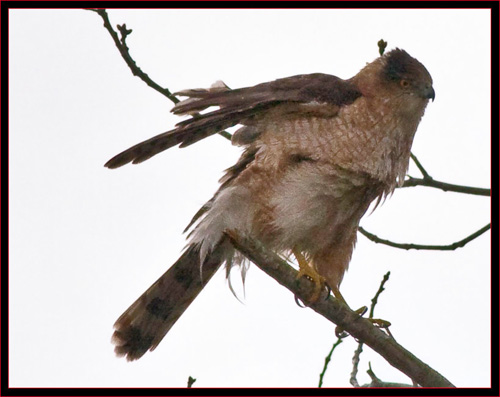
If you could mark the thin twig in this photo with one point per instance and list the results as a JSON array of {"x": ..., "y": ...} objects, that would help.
[
  {"x": 447, "y": 187},
  {"x": 338, "y": 313},
  {"x": 191, "y": 380},
  {"x": 420, "y": 167},
  {"x": 124, "y": 51},
  {"x": 377, "y": 294},
  {"x": 429, "y": 181},
  {"x": 357, "y": 353},
  {"x": 121, "y": 44},
  {"x": 327, "y": 361},
  {"x": 225, "y": 134},
  {"x": 376, "y": 382},
  {"x": 355, "y": 363},
  {"x": 409, "y": 246},
  {"x": 382, "y": 44}
]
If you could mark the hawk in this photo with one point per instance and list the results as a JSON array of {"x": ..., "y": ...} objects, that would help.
[{"x": 317, "y": 151}]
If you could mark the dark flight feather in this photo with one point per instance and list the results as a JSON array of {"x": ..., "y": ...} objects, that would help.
[{"x": 239, "y": 106}]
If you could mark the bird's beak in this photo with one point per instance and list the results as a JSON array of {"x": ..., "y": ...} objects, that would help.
[{"x": 429, "y": 93}]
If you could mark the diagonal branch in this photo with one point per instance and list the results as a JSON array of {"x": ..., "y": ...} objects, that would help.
[
  {"x": 409, "y": 246},
  {"x": 338, "y": 313}
]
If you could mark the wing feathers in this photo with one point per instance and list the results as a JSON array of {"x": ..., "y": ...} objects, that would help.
[
  {"x": 145, "y": 150},
  {"x": 314, "y": 94}
]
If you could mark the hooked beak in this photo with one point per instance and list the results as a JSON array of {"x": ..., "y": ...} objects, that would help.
[{"x": 429, "y": 93}]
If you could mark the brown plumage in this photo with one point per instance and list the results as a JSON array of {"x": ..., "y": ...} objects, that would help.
[{"x": 317, "y": 151}]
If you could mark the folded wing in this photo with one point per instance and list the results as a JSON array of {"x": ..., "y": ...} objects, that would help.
[{"x": 310, "y": 93}]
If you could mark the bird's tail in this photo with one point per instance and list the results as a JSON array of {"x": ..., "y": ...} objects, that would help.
[{"x": 146, "y": 322}]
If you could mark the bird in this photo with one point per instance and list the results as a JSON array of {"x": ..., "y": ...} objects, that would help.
[{"x": 317, "y": 151}]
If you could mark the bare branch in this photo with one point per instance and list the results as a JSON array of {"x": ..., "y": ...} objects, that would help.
[
  {"x": 420, "y": 167},
  {"x": 357, "y": 353},
  {"x": 376, "y": 382},
  {"x": 136, "y": 70},
  {"x": 355, "y": 363},
  {"x": 409, "y": 246},
  {"x": 377, "y": 294},
  {"x": 447, "y": 187},
  {"x": 338, "y": 313},
  {"x": 429, "y": 181},
  {"x": 124, "y": 51}
]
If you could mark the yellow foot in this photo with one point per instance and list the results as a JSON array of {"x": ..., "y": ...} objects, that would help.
[
  {"x": 339, "y": 331},
  {"x": 307, "y": 270},
  {"x": 378, "y": 322}
]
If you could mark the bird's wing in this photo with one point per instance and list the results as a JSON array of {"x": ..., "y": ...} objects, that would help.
[{"x": 318, "y": 94}]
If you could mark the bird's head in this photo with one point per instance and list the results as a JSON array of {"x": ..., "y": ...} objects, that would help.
[
  {"x": 406, "y": 74},
  {"x": 396, "y": 76}
]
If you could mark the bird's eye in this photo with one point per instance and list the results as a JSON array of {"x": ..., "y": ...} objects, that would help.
[{"x": 404, "y": 83}]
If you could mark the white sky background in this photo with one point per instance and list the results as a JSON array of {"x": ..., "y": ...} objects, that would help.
[{"x": 86, "y": 241}]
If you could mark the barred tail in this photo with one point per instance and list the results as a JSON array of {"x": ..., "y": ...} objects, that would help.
[{"x": 146, "y": 322}]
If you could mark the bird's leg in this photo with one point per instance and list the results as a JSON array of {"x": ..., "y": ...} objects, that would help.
[
  {"x": 306, "y": 269},
  {"x": 339, "y": 331},
  {"x": 335, "y": 290}
]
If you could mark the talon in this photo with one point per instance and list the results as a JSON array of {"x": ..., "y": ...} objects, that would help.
[
  {"x": 340, "y": 333},
  {"x": 307, "y": 270},
  {"x": 299, "y": 302},
  {"x": 375, "y": 321},
  {"x": 361, "y": 311},
  {"x": 328, "y": 290}
]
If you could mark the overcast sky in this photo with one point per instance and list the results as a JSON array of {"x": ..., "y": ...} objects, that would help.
[{"x": 86, "y": 241}]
